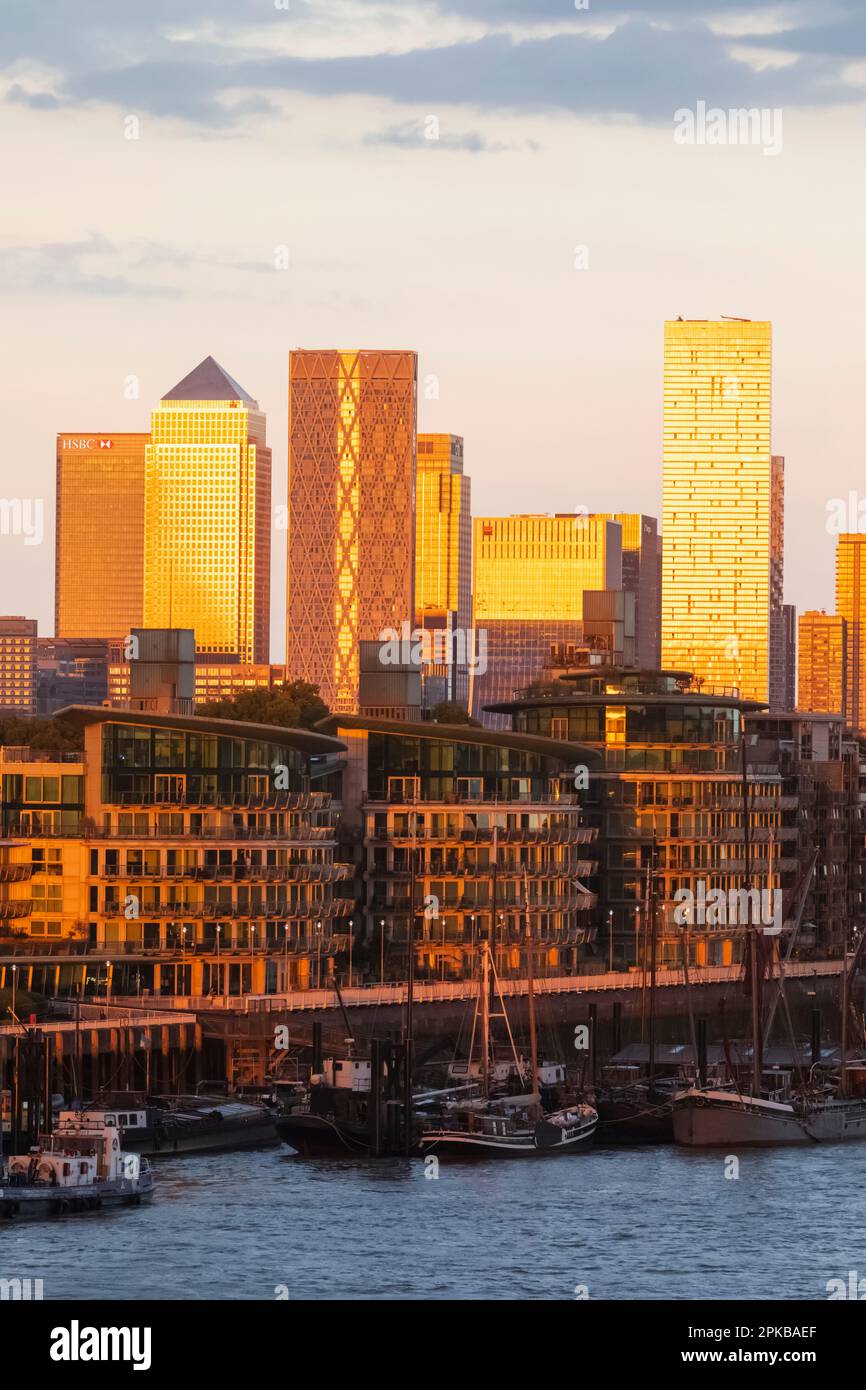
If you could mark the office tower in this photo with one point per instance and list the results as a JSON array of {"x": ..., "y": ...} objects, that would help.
[
  {"x": 443, "y": 552},
  {"x": 18, "y": 665},
  {"x": 529, "y": 577},
  {"x": 208, "y": 516},
  {"x": 851, "y": 605},
  {"x": 99, "y": 569},
  {"x": 73, "y": 671},
  {"x": 789, "y": 656},
  {"x": 351, "y": 511},
  {"x": 822, "y": 663},
  {"x": 779, "y": 633},
  {"x": 721, "y": 530},
  {"x": 640, "y": 576}
]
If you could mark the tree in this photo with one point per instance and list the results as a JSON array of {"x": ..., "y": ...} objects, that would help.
[
  {"x": 295, "y": 705},
  {"x": 452, "y": 712},
  {"x": 50, "y": 735}
]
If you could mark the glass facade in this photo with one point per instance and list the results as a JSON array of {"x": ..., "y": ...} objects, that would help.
[
  {"x": 351, "y": 534},
  {"x": 722, "y": 493},
  {"x": 669, "y": 795},
  {"x": 207, "y": 517},
  {"x": 851, "y": 605},
  {"x": 822, "y": 664},
  {"x": 480, "y": 825},
  {"x": 99, "y": 581},
  {"x": 443, "y": 543}
]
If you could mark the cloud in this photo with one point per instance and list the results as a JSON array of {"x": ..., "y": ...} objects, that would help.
[
  {"x": 413, "y": 136},
  {"x": 655, "y": 58},
  {"x": 101, "y": 267}
]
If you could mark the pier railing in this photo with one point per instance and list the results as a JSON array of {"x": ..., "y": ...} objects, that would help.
[{"x": 443, "y": 991}]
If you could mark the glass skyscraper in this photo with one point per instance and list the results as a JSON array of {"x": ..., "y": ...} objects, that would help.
[{"x": 722, "y": 499}]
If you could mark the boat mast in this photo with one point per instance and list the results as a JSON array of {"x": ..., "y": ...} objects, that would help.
[
  {"x": 484, "y": 985},
  {"x": 530, "y": 989},
  {"x": 652, "y": 907},
  {"x": 751, "y": 925},
  {"x": 410, "y": 989}
]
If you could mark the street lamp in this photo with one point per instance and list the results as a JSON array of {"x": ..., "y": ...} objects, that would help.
[
  {"x": 14, "y": 980},
  {"x": 351, "y": 942},
  {"x": 610, "y": 939},
  {"x": 381, "y": 950},
  {"x": 318, "y": 955},
  {"x": 108, "y": 979}
]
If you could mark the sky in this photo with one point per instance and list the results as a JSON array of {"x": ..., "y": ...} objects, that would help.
[{"x": 497, "y": 184}]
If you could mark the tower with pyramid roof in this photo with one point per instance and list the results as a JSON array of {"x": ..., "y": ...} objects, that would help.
[{"x": 207, "y": 516}]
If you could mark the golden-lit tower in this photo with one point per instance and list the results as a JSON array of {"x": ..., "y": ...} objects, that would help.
[
  {"x": 99, "y": 569},
  {"x": 720, "y": 536},
  {"x": 529, "y": 576},
  {"x": 351, "y": 511},
  {"x": 822, "y": 663},
  {"x": 443, "y": 542},
  {"x": 851, "y": 605},
  {"x": 207, "y": 516}
]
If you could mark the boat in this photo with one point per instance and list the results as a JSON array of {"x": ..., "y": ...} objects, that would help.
[
  {"x": 169, "y": 1125},
  {"x": 483, "y": 1124},
  {"x": 335, "y": 1118},
  {"x": 705, "y": 1118},
  {"x": 79, "y": 1168},
  {"x": 639, "y": 1113}
]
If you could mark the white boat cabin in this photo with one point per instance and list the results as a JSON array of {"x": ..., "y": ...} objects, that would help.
[{"x": 84, "y": 1149}]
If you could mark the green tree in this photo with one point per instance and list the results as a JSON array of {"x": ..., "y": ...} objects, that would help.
[
  {"x": 452, "y": 712},
  {"x": 50, "y": 735},
  {"x": 295, "y": 705}
]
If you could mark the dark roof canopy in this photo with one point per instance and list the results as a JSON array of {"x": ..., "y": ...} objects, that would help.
[
  {"x": 208, "y": 382},
  {"x": 464, "y": 733},
  {"x": 305, "y": 740}
]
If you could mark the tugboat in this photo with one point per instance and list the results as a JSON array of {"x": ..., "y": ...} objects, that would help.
[
  {"x": 336, "y": 1116},
  {"x": 79, "y": 1168}
]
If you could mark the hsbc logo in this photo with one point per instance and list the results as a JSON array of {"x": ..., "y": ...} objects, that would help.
[{"x": 94, "y": 442}]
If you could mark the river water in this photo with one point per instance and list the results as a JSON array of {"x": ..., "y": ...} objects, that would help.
[{"x": 651, "y": 1223}]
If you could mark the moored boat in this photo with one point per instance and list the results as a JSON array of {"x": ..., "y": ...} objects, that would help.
[
  {"x": 79, "y": 1168},
  {"x": 704, "y": 1118}
]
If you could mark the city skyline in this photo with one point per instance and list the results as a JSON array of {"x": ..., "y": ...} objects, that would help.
[{"x": 665, "y": 229}]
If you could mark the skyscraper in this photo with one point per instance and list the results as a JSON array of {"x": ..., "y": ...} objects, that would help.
[
  {"x": 720, "y": 536},
  {"x": 640, "y": 576},
  {"x": 99, "y": 561},
  {"x": 822, "y": 663},
  {"x": 779, "y": 693},
  {"x": 351, "y": 511},
  {"x": 529, "y": 577},
  {"x": 851, "y": 605},
  {"x": 208, "y": 516},
  {"x": 443, "y": 547}
]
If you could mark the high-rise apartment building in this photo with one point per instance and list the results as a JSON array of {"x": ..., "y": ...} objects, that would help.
[
  {"x": 822, "y": 663},
  {"x": 207, "y": 516},
  {"x": 351, "y": 535},
  {"x": 529, "y": 577},
  {"x": 18, "y": 665},
  {"x": 640, "y": 576},
  {"x": 778, "y": 690},
  {"x": 443, "y": 552},
  {"x": 721, "y": 529},
  {"x": 99, "y": 570},
  {"x": 851, "y": 605}
]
